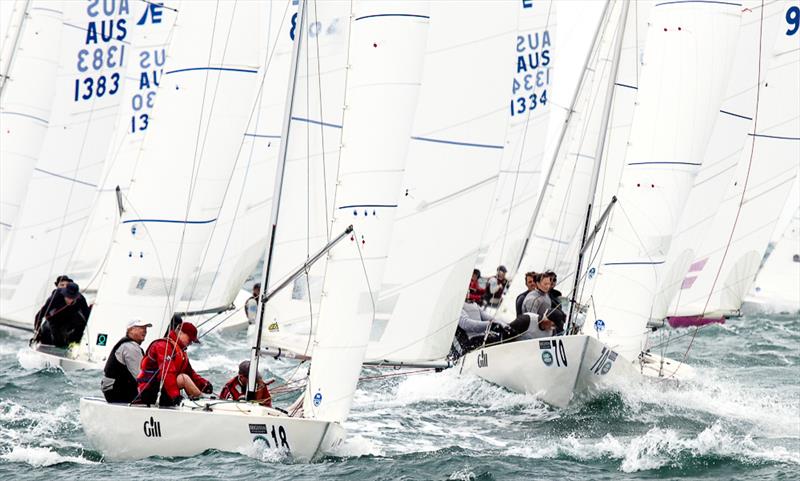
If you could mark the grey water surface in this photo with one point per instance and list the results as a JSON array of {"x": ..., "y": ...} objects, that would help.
[{"x": 739, "y": 419}]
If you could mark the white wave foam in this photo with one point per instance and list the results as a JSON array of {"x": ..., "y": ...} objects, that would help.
[
  {"x": 217, "y": 362},
  {"x": 38, "y": 457},
  {"x": 260, "y": 451},
  {"x": 450, "y": 386},
  {"x": 31, "y": 360},
  {"x": 773, "y": 413},
  {"x": 463, "y": 475},
  {"x": 355, "y": 445},
  {"x": 657, "y": 448}
]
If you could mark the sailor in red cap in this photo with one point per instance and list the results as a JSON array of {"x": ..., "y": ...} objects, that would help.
[{"x": 166, "y": 364}]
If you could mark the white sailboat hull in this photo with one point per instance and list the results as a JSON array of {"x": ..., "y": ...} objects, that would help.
[
  {"x": 555, "y": 369},
  {"x": 40, "y": 356},
  {"x": 138, "y": 432}
]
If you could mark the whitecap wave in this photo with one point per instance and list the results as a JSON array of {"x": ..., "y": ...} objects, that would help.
[
  {"x": 657, "y": 448},
  {"x": 39, "y": 457}
]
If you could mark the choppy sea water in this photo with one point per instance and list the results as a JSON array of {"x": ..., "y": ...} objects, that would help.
[{"x": 740, "y": 419}]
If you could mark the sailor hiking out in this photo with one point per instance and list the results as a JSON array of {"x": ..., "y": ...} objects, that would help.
[{"x": 62, "y": 319}]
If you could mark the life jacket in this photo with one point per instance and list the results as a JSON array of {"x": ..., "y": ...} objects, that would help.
[
  {"x": 166, "y": 348},
  {"x": 493, "y": 297},
  {"x": 475, "y": 293},
  {"x": 123, "y": 380},
  {"x": 232, "y": 389}
]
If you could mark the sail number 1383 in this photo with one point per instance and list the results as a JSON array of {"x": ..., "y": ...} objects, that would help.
[{"x": 97, "y": 87}]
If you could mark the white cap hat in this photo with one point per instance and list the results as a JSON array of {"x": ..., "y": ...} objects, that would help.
[{"x": 138, "y": 323}]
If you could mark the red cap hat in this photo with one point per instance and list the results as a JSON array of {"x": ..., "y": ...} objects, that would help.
[{"x": 188, "y": 329}]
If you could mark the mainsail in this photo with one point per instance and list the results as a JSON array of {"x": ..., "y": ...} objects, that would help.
[
  {"x": 454, "y": 159},
  {"x": 521, "y": 167}
]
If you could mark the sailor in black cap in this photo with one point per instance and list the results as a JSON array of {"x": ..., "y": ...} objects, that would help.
[{"x": 63, "y": 318}]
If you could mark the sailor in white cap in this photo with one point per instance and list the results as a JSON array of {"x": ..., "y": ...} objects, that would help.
[{"x": 123, "y": 364}]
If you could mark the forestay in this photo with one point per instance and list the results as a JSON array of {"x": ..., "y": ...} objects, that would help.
[
  {"x": 388, "y": 40},
  {"x": 689, "y": 54},
  {"x": 93, "y": 50},
  {"x": 453, "y": 163},
  {"x": 208, "y": 90},
  {"x": 28, "y": 63}
]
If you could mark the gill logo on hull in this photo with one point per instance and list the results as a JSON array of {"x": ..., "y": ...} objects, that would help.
[
  {"x": 152, "y": 428},
  {"x": 483, "y": 359}
]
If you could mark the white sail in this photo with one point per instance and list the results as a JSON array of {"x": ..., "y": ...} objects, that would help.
[
  {"x": 688, "y": 60},
  {"x": 777, "y": 287},
  {"x": 152, "y": 25},
  {"x": 388, "y": 40},
  {"x": 311, "y": 169},
  {"x": 454, "y": 160},
  {"x": 208, "y": 90},
  {"x": 28, "y": 65},
  {"x": 759, "y": 31},
  {"x": 93, "y": 50},
  {"x": 521, "y": 168},
  {"x": 727, "y": 259},
  {"x": 556, "y": 232},
  {"x": 240, "y": 235}
]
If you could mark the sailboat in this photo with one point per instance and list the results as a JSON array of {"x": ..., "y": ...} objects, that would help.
[
  {"x": 56, "y": 201},
  {"x": 619, "y": 284},
  {"x": 777, "y": 286}
]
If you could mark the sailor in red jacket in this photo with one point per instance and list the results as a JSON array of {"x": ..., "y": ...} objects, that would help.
[
  {"x": 167, "y": 363},
  {"x": 236, "y": 388}
]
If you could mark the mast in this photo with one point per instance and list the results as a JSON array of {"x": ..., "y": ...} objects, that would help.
[
  {"x": 276, "y": 204},
  {"x": 598, "y": 156},
  {"x": 561, "y": 135},
  {"x": 20, "y": 15}
]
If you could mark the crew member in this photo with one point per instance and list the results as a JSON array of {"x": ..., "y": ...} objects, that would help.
[
  {"x": 475, "y": 293},
  {"x": 236, "y": 388},
  {"x": 166, "y": 364},
  {"x": 63, "y": 318},
  {"x": 495, "y": 287},
  {"x": 123, "y": 364},
  {"x": 251, "y": 304},
  {"x": 531, "y": 285},
  {"x": 60, "y": 282}
]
